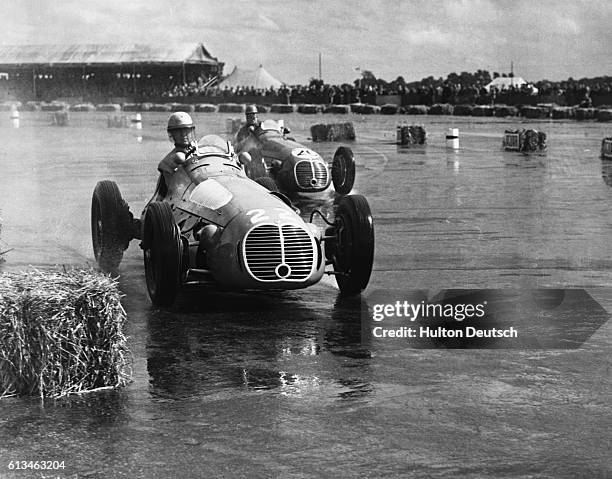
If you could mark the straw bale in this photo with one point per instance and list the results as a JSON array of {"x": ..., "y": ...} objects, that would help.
[
  {"x": 188, "y": 107},
  {"x": 206, "y": 108},
  {"x": 61, "y": 333},
  {"x": 505, "y": 110},
  {"x": 282, "y": 108},
  {"x": 112, "y": 107},
  {"x": 463, "y": 110},
  {"x": 83, "y": 107},
  {"x": 132, "y": 107},
  {"x": 309, "y": 108},
  {"x": 585, "y": 114},
  {"x": 333, "y": 132},
  {"x": 604, "y": 114},
  {"x": 364, "y": 108},
  {"x": 411, "y": 135},
  {"x": 340, "y": 109},
  {"x": 416, "y": 110},
  {"x": 563, "y": 112},
  {"x": 389, "y": 109},
  {"x": 231, "y": 108},
  {"x": 441, "y": 109}
]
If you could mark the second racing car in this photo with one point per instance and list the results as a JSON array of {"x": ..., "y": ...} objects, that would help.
[{"x": 293, "y": 167}]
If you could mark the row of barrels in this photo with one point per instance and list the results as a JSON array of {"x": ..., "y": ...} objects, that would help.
[{"x": 532, "y": 112}]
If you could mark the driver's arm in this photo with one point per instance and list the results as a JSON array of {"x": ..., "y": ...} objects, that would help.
[{"x": 172, "y": 161}]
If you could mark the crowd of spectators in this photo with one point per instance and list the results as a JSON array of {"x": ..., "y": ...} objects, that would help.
[{"x": 465, "y": 88}]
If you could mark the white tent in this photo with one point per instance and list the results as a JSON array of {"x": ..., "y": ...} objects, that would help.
[
  {"x": 504, "y": 83},
  {"x": 258, "y": 78}
]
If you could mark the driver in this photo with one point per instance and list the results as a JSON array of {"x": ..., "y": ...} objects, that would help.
[
  {"x": 252, "y": 123},
  {"x": 181, "y": 131}
]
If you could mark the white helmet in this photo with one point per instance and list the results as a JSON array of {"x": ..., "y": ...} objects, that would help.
[{"x": 180, "y": 119}]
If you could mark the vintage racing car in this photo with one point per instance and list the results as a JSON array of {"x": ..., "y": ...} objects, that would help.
[
  {"x": 212, "y": 225},
  {"x": 294, "y": 167}
]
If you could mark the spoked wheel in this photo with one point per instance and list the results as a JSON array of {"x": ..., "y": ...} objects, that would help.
[
  {"x": 267, "y": 183},
  {"x": 353, "y": 253},
  {"x": 163, "y": 250},
  {"x": 255, "y": 166},
  {"x": 111, "y": 225},
  {"x": 343, "y": 170}
]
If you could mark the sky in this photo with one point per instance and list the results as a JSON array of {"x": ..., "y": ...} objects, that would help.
[{"x": 543, "y": 39}]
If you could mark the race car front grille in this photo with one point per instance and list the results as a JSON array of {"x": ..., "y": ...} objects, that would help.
[
  {"x": 311, "y": 174},
  {"x": 279, "y": 253}
]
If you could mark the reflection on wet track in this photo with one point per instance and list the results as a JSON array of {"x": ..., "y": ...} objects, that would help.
[{"x": 285, "y": 384}]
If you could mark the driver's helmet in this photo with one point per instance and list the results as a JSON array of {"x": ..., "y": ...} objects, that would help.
[
  {"x": 251, "y": 115},
  {"x": 181, "y": 130}
]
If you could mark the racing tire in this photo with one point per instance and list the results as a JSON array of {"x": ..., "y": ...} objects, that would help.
[
  {"x": 111, "y": 225},
  {"x": 267, "y": 183},
  {"x": 163, "y": 250},
  {"x": 343, "y": 170},
  {"x": 256, "y": 166},
  {"x": 353, "y": 254}
]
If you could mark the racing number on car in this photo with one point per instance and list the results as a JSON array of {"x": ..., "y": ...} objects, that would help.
[
  {"x": 304, "y": 153},
  {"x": 259, "y": 214}
]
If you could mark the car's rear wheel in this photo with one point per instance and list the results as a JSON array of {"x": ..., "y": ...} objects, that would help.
[
  {"x": 267, "y": 183},
  {"x": 343, "y": 170},
  {"x": 353, "y": 253},
  {"x": 111, "y": 225},
  {"x": 163, "y": 250}
]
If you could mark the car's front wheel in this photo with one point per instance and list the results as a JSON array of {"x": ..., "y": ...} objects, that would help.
[
  {"x": 111, "y": 225},
  {"x": 353, "y": 246},
  {"x": 163, "y": 250},
  {"x": 343, "y": 170}
]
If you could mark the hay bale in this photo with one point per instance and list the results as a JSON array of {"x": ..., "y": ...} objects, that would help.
[
  {"x": 60, "y": 333},
  {"x": 604, "y": 114},
  {"x": 364, "y": 108},
  {"x": 159, "y": 107},
  {"x": 441, "y": 109},
  {"x": 231, "y": 108},
  {"x": 54, "y": 106},
  {"x": 535, "y": 112},
  {"x": 502, "y": 111},
  {"x": 563, "y": 112},
  {"x": 282, "y": 108},
  {"x": 416, "y": 110},
  {"x": 108, "y": 107},
  {"x": 309, "y": 109},
  {"x": 338, "y": 109},
  {"x": 463, "y": 110},
  {"x": 206, "y": 108},
  {"x": 585, "y": 114},
  {"x": 83, "y": 107},
  {"x": 332, "y": 132},
  {"x": 411, "y": 135},
  {"x": 188, "y": 107},
  {"x": 131, "y": 107},
  {"x": 389, "y": 109},
  {"x": 528, "y": 140},
  {"x": 483, "y": 110}
]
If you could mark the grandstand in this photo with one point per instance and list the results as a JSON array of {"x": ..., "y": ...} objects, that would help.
[{"x": 101, "y": 72}]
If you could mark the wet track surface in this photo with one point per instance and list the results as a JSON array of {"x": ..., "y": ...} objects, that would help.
[{"x": 284, "y": 384}]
